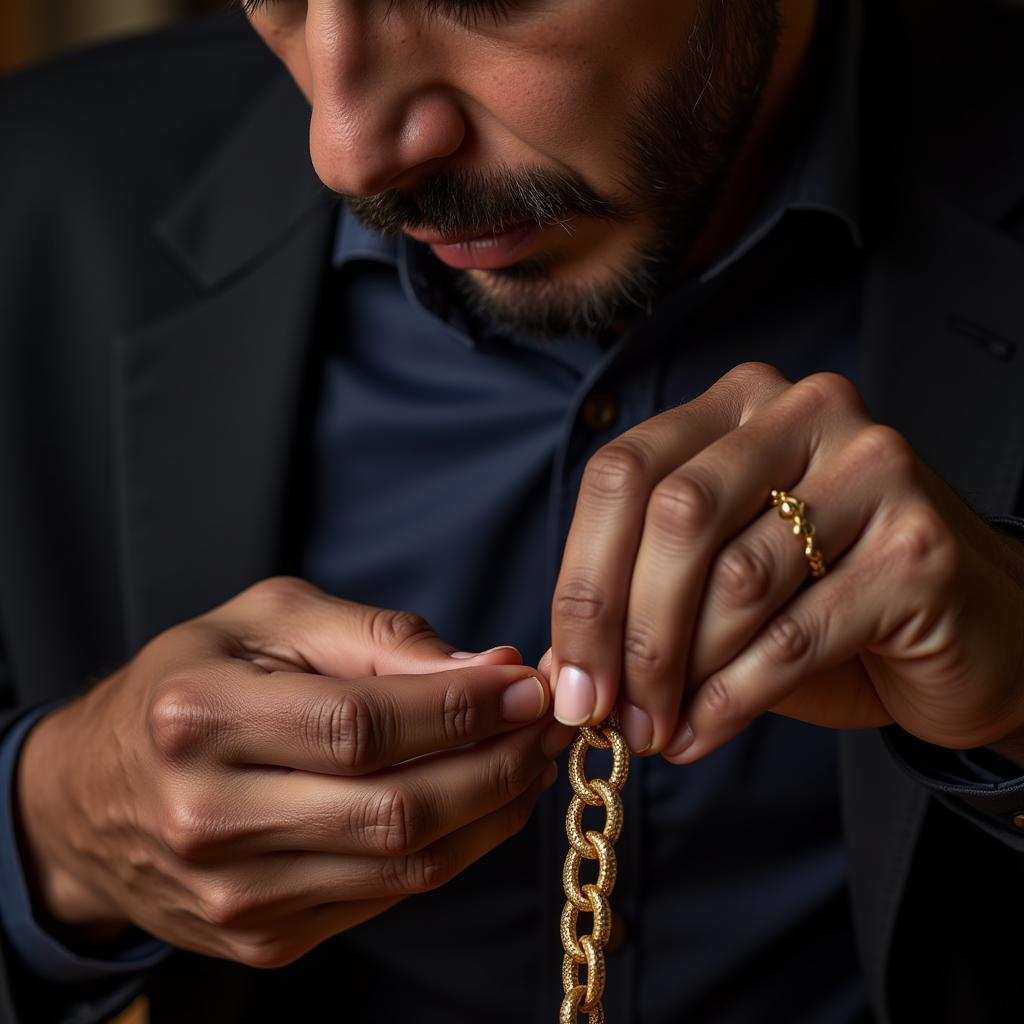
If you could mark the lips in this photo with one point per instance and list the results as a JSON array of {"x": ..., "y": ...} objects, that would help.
[{"x": 476, "y": 251}]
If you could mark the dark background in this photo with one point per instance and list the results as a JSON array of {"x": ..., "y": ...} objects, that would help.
[{"x": 32, "y": 30}]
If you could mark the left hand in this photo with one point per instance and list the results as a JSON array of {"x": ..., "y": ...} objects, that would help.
[{"x": 681, "y": 594}]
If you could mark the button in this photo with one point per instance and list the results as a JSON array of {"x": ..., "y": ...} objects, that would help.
[
  {"x": 600, "y": 411},
  {"x": 1018, "y": 820},
  {"x": 619, "y": 935}
]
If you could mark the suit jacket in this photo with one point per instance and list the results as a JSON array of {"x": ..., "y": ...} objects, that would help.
[{"x": 164, "y": 243}]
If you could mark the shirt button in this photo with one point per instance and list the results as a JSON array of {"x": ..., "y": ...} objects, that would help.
[
  {"x": 600, "y": 411},
  {"x": 619, "y": 933},
  {"x": 1018, "y": 820}
]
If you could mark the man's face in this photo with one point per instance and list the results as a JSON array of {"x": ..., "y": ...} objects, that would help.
[{"x": 561, "y": 155}]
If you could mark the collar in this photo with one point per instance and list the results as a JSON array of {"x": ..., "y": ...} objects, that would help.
[{"x": 823, "y": 175}]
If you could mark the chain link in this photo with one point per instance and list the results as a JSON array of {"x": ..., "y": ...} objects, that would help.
[
  {"x": 792, "y": 508},
  {"x": 590, "y": 897}
]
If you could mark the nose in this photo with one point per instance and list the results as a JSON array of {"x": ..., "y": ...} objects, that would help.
[{"x": 380, "y": 107}]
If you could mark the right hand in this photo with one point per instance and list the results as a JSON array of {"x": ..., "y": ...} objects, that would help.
[{"x": 278, "y": 770}]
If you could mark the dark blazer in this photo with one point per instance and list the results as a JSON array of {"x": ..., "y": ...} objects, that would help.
[{"x": 163, "y": 243}]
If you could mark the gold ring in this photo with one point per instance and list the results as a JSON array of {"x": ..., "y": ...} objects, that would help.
[{"x": 792, "y": 508}]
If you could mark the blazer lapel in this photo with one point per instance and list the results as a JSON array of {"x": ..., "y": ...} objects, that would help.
[
  {"x": 210, "y": 396},
  {"x": 942, "y": 363}
]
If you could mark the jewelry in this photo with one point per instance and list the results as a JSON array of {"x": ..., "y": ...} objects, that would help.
[
  {"x": 590, "y": 898},
  {"x": 791, "y": 507}
]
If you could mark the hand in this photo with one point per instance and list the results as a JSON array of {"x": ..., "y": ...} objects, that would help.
[
  {"x": 278, "y": 770},
  {"x": 682, "y": 594}
]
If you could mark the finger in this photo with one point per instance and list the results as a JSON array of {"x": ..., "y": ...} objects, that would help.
[
  {"x": 387, "y": 814},
  {"x": 826, "y": 627},
  {"x": 432, "y": 866},
  {"x": 589, "y": 605},
  {"x": 314, "y": 724},
  {"x": 269, "y": 944},
  {"x": 693, "y": 512},
  {"x": 763, "y": 567},
  {"x": 286, "y": 883},
  {"x": 287, "y": 623}
]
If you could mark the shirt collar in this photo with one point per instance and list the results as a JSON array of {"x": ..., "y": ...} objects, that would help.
[
  {"x": 828, "y": 179},
  {"x": 823, "y": 173}
]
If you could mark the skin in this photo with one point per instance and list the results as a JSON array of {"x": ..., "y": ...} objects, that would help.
[
  {"x": 555, "y": 86},
  {"x": 255, "y": 802},
  {"x": 680, "y": 598}
]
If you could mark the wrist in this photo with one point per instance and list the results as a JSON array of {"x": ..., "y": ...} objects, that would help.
[{"x": 52, "y": 838}]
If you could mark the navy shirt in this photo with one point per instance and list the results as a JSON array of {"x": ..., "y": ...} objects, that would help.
[{"x": 445, "y": 461}]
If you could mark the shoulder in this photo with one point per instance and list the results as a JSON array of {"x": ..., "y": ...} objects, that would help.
[{"x": 136, "y": 116}]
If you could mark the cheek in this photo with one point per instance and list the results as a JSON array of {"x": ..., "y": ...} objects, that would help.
[{"x": 566, "y": 88}]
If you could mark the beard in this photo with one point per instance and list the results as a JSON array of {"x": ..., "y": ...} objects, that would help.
[{"x": 680, "y": 144}]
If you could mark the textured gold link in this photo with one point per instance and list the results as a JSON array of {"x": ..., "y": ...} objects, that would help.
[
  {"x": 590, "y": 897},
  {"x": 606, "y": 871},
  {"x": 571, "y": 1004},
  {"x": 598, "y": 905},
  {"x": 792, "y": 508}
]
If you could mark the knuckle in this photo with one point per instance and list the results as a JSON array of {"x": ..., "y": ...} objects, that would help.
[
  {"x": 787, "y": 640},
  {"x": 281, "y": 592},
  {"x": 741, "y": 578},
  {"x": 682, "y": 506},
  {"x": 224, "y": 904},
  {"x": 719, "y": 698},
  {"x": 642, "y": 651},
  {"x": 184, "y": 718},
  {"x": 423, "y": 871},
  {"x": 266, "y": 952},
  {"x": 394, "y": 630},
  {"x": 830, "y": 391},
  {"x": 190, "y": 830},
  {"x": 923, "y": 547},
  {"x": 618, "y": 470},
  {"x": 579, "y": 602},
  {"x": 344, "y": 731},
  {"x": 397, "y": 821},
  {"x": 510, "y": 771},
  {"x": 882, "y": 447},
  {"x": 460, "y": 714},
  {"x": 753, "y": 372},
  {"x": 747, "y": 385}
]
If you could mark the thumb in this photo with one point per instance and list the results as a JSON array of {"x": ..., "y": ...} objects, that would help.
[
  {"x": 288, "y": 624},
  {"x": 544, "y": 666},
  {"x": 427, "y": 652}
]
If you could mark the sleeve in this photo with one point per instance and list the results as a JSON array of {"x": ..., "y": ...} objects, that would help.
[
  {"x": 975, "y": 784},
  {"x": 44, "y": 972}
]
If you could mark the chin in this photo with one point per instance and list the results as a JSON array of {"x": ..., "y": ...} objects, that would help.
[{"x": 550, "y": 302}]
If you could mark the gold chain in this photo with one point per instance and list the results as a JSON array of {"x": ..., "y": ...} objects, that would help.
[{"x": 590, "y": 898}]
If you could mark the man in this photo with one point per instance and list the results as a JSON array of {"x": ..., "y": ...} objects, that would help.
[{"x": 508, "y": 386}]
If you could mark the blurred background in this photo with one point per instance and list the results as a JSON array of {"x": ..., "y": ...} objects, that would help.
[{"x": 31, "y": 30}]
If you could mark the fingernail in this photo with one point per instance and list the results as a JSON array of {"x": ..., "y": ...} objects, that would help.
[
  {"x": 523, "y": 701},
  {"x": 465, "y": 655},
  {"x": 638, "y": 728},
  {"x": 679, "y": 743},
  {"x": 575, "y": 696},
  {"x": 550, "y": 775}
]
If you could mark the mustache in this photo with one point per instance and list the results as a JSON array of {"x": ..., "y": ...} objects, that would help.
[{"x": 454, "y": 202}]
